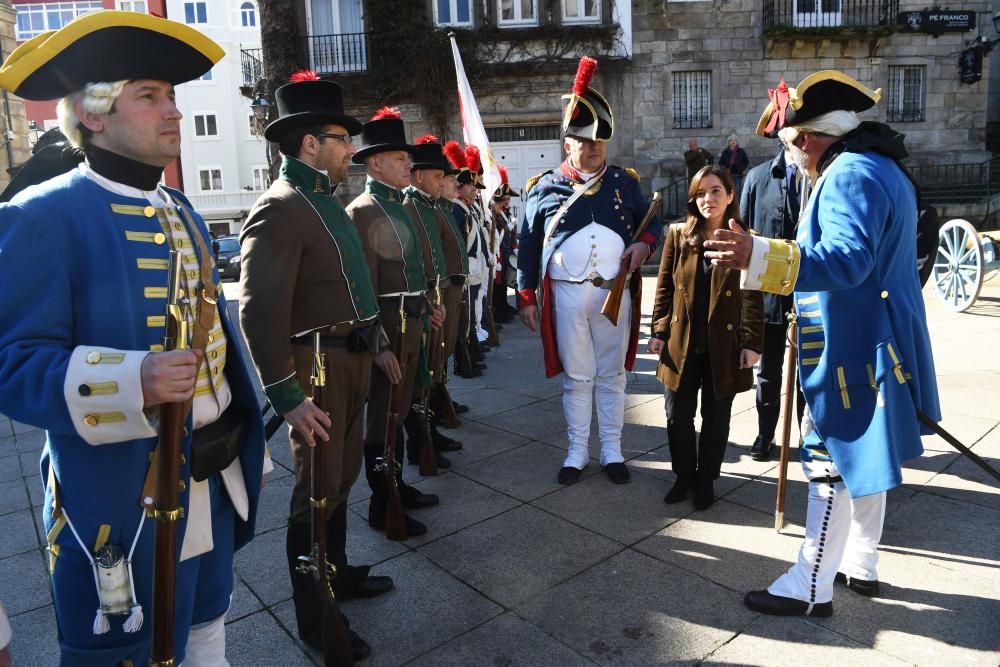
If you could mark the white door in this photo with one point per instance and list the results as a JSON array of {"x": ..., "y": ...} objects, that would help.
[{"x": 523, "y": 160}]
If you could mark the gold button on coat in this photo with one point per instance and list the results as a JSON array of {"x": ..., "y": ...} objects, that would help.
[
  {"x": 159, "y": 238},
  {"x": 91, "y": 420},
  {"x": 729, "y": 292},
  {"x": 885, "y": 294},
  {"x": 729, "y": 327},
  {"x": 149, "y": 211},
  {"x": 94, "y": 357}
]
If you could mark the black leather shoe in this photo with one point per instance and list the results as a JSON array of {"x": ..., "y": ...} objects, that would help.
[
  {"x": 761, "y": 450},
  {"x": 568, "y": 475},
  {"x": 617, "y": 472},
  {"x": 443, "y": 443},
  {"x": 413, "y": 499},
  {"x": 775, "y": 605},
  {"x": 459, "y": 408},
  {"x": 484, "y": 347},
  {"x": 369, "y": 587},
  {"x": 359, "y": 647},
  {"x": 704, "y": 495},
  {"x": 414, "y": 528},
  {"x": 442, "y": 462},
  {"x": 860, "y": 586},
  {"x": 479, "y": 365},
  {"x": 678, "y": 493}
]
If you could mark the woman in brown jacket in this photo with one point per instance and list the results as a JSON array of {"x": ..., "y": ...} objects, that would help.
[{"x": 708, "y": 334}]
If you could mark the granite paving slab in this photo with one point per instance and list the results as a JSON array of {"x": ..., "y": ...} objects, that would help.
[
  {"x": 13, "y": 497},
  {"x": 10, "y": 466},
  {"x": 31, "y": 441},
  {"x": 526, "y": 473},
  {"x": 491, "y": 401},
  {"x": 256, "y": 641},
  {"x": 367, "y": 546},
  {"x": 480, "y": 442},
  {"x": 20, "y": 428},
  {"x": 427, "y": 608},
  {"x": 503, "y": 641},
  {"x": 625, "y": 513},
  {"x": 635, "y": 610},
  {"x": 34, "y": 639},
  {"x": 261, "y": 565},
  {"x": 273, "y": 508},
  {"x": 244, "y": 602},
  {"x": 18, "y": 530},
  {"x": 793, "y": 642},
  {"x": 535, "y": 421},
  {"x": 25, "y": 578},
  {"x": 518, "y": 554},
  {"x": 737, "y": 469},
  {"x": 964, "y": 480}
]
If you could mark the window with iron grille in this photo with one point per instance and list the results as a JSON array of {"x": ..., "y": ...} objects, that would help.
[
  {"x": 692, "y": 99},
  {"x": 523, "y": 133},
  {"x": 906, "y": 94}
]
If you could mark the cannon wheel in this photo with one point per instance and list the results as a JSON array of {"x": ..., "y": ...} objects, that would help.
[{"x": 958, "y": 265}]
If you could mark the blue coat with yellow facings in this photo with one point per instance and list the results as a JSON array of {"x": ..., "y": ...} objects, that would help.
[
  {"x": 77, "y": 273},
  {"x": 865, "y": 354}
]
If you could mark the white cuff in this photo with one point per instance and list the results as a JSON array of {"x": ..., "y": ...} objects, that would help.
[
  {"x": 750, "y": 277},
  {"x": 103, "y": 391}
]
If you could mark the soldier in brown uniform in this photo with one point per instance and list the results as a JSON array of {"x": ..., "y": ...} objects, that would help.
[
  {"x": 303, "y": 271},
  {"x": 394, "y": 252},
  {"x": 441, "y": 243}
]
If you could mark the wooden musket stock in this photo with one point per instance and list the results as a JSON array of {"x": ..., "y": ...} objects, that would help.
[
  {"x": 428, "y": 457},
  {"x": 613, "y": 302},
  {"x": 336, "y": 643},
  {"x": 166, "y": 503},
  {"x": 395, "y": 519},
  {"x": 787, "y": 407}
]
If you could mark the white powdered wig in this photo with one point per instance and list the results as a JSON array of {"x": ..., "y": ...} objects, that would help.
[
  {"x": 833, "y": 123},
  {"x": 95, "y": 98}
]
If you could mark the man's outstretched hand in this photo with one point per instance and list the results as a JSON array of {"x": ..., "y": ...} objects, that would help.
[{"x": 730, "y": 248}]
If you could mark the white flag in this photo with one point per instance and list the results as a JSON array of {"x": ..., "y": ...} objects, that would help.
[{"x": 473, "y": 132}]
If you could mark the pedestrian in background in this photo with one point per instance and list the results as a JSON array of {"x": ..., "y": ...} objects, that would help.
[
  {"x": 734, "y": 159},
  {"x": 707, "y": 333},
  {"x": 696, "y": 158}
]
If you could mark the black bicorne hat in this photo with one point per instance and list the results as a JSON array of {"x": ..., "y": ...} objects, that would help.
[
  {"x": 817, "y": 94},
  {"x": 588, "y": 115},
  {"x": 308, "y": 103},
  {"x": 107, "y": 46}
]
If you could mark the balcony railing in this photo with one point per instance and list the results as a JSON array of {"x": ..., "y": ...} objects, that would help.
[
  {"x": 810, "y": 14},
  {"x": 325, "y": 54}
]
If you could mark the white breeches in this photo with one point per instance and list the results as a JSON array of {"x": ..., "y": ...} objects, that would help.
[
  {"x": 592, "y": 352},
  {"x": 206, "y": 645},
  {"x": 842, "y": 534}
]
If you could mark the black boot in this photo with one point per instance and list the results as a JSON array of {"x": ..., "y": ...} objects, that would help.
[
  {"x": 443, "y": 443},
  {"x": 414, "y": 427},
  {"x": 704, "y": 489},
  {"x": 352, "y": 581}
]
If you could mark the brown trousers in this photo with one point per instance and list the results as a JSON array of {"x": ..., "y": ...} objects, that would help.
[
  {"x": 378, "y": 402},
  {"x": 348, "y": 379},
  {"x": 452, "y": 297}
]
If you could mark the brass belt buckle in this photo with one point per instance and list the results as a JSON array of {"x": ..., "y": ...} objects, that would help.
[{"x": 598, "y": 281}]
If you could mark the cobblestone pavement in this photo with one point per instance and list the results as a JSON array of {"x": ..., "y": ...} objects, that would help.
[{"x": 517, "y": 570}]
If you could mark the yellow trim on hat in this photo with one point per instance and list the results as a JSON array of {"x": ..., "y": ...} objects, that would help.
[
  {"x": 830, "y": 75},
  {"x": 38, "y": 51}
]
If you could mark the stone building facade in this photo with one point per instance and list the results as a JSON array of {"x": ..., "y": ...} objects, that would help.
[{"x": 16, "y": 149}]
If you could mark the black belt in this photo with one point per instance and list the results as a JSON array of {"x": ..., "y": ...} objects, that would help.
[
  {"x": 453, "y": 281},
  {"x": 360, "y": 339},
  {"x": 325, "y": 341}
]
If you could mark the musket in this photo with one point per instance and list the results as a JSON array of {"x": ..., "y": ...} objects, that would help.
[
  {"x": 613, "y": 302},
  {"x": 491, "y": 327},
  {"x": 166, "y": 505},
  {"x": 395, "y": 520},
  {"x": 787, "y": 406},
  {"x": 336, "y": 643},
  {"x": 448, "y": 415},
  {"x": 463, "y": 361},
  {"x": 428, "y": 457}
]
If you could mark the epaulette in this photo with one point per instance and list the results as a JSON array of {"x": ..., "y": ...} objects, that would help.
[
  {"x": 534, "y": 179},
  {"x": 633, "y": 173}
]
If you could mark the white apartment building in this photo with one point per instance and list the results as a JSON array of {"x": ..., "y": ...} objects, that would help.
[{"x": 223, "y": 161}]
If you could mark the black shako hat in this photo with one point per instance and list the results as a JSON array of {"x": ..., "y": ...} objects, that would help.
[
  {"x": 429, "y": 154},
  {"x": 384, "y": 132},
  {"x": 308, "y": 101},
  {"x": 817, "y": 94},
  {"x": 107, "y": 46},
  {"x": 588, "y": 115}
]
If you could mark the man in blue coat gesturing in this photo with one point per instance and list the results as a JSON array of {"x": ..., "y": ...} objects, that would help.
[{"x": 865, "y": 356}]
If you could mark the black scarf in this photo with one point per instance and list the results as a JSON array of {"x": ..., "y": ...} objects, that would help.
[{"x": 123, "y": 170}]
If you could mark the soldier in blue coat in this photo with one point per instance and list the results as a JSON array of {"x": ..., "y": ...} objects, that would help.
[
  {"x": 580, "y": 222},
  {"x": 853, "y": 260},
  {"x": 83, "y": 261}
]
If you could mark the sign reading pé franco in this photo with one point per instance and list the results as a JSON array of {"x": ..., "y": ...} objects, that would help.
[{"x": 937, "y": 22}]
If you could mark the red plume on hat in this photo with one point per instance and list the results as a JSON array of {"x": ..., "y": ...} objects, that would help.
[
  {"x": 387, "y": 112},
  {"x": 455, "y": 155},
  {"x": 503, "y": 174},
  {"x": 472, "y": 159},
  {"x": 581, "y": 84},
  {"x": 427, "y": 139},
  {"x": 303, "y": 75},
  {"x": 779, "y": 103}
]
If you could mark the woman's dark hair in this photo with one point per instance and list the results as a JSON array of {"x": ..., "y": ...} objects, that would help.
[{"x": 690, "y": 233}]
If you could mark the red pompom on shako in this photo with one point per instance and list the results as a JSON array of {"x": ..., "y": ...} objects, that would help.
[
  {"x": 472, "y": 158},
  {"x": 386, "y": 112},
  {"x": 455, "y": 155},
  {"x": 427, "y": 139},
  {"x": 303, "y": 75}
]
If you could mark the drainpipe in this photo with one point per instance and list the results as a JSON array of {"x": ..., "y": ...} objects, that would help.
[{"x": 10, "y": 127}]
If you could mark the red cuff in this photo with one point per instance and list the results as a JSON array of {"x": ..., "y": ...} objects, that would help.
[
  {"x": 649, "y": 240},
  {"x": 528, "y": 297}
]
